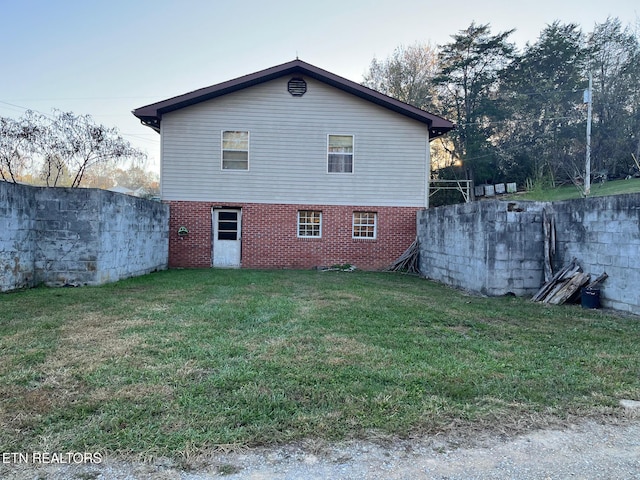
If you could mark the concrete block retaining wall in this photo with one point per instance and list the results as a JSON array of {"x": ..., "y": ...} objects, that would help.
[
  {"x": 64, "y": 236},
  {"x": 17, "y": 236},
  {"x": 490, "y": 247},
  {"x": 60, "y": 236},
  {"x": 497, "y": 247},
  {"x": 603, "y": 233},
  {"x": 134, "y": 237}
]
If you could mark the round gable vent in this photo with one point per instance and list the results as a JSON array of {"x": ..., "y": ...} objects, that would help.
[{"x": 297, "y": 87}]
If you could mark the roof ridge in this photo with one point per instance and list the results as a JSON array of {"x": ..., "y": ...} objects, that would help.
[{"x": 151, "y": 115}]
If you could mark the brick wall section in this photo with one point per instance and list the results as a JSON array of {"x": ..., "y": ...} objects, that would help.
[
  {"x": 269, "y": 236},
  {"x": 192, "y": 250}
]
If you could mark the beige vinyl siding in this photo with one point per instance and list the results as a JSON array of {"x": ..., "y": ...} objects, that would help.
[{"x": 288, "y": 149}]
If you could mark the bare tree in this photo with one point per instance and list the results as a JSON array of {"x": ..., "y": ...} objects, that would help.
[
  {"x": 75, "y": 144},
  {"x": 18, "y": 143},
  {"x": 60, "y": 148},
  {"x": 406, "y": 75}
]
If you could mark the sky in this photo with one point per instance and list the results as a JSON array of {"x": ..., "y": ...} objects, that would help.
[{"x": 106, "y": 58}]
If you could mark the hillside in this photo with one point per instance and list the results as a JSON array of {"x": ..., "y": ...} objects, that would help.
[{"x": 566, "y": 192}]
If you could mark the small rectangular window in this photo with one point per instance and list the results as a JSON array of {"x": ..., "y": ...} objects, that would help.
[
  {"x": 364, "y": 224},
  {"x": 235, "y": 150},
  {"x": 309, "y": 223},
  {"x": 340, "y": 154}
]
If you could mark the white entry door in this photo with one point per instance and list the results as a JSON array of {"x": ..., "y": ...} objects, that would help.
[{"x": 227, "y": 238}]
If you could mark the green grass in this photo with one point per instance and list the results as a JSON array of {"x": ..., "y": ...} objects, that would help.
[
  {"x": 189, "y": 360},
  {"x": 568, "y": 192}
]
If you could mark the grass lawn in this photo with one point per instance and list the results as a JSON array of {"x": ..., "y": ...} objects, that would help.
[
  {"x": 187, "y": 360},
  {"x": 567, "y": 192}
]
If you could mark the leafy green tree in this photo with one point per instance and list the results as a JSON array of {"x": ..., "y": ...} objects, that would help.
[
  {"x": 614, "y": 54},
  {"x": 540, "y": 110},
  {"x": 520, "y": 115},
  {"x": 470, "y": 67}
]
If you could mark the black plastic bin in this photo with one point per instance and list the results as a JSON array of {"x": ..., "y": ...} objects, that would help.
[{"x": 590, "y": 298}]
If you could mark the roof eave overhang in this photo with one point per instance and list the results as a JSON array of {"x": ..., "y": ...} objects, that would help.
[{"x": 151, "y": 115}]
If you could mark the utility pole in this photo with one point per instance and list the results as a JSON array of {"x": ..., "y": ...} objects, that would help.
[{"x": 588, "y": 99}]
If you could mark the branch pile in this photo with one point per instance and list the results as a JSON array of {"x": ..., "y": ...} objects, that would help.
[
  {"x": 566, "y": 284},
  {"x": 408, "y": 262}
]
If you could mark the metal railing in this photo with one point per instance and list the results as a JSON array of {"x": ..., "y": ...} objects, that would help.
[{"x": 463, "y": 186}]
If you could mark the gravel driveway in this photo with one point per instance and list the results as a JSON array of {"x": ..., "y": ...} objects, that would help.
[{"x": 586, "y": 450}]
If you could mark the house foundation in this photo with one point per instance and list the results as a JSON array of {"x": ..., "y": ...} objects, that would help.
[{"x": 270, "y": 237}]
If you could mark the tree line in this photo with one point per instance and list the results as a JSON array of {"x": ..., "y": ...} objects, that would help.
[
  {"x": 69, "y": 150},
  {"x": 520, "y": 113}
]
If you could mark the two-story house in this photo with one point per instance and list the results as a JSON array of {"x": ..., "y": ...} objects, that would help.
[{"x": 291, "y": 167}]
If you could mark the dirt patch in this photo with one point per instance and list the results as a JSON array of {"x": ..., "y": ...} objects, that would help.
[
  {"x": 583, "y": 450},
  {"x": 90, "y": 340}
]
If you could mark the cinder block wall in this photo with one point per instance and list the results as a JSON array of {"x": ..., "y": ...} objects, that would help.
[
  {"x": 67, "y": 225},
  {"x": 603, "y": 233},
  {"x": 17, "y": 236},
  {"x": 488, "y": 247},
  {"x": 134, "y": 236},
  {"x": 65, "y": 236},
  {"x": 497, "y": 247},
  {"x": 91, "y": 236}
]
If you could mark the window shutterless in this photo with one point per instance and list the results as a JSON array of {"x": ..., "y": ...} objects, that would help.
[
  {"x": 340, "y": 153},
  {"x": 364, "y": 224},
  {"x": 235, "y": 150},
  {"x": 309, "y": 224}
]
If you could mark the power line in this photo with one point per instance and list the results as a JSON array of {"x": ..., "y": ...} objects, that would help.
[
  {"x": 21, "y": 107},
  {"x": 526, "y": 94},
  {"x": 502, "y": 122},
  {"x": 138, "y": 137},
  {"x": 83, "y": 98}
]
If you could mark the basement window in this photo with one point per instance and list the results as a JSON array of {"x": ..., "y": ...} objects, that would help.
[
  {"x": 364, "y": 224},
  {"x": 309, "y": 224}
]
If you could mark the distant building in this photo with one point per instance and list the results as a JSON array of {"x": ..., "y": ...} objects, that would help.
[{"x": 139, "y": 192}]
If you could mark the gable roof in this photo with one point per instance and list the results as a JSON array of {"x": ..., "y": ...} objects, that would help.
[{"x": 151, "y": 115}]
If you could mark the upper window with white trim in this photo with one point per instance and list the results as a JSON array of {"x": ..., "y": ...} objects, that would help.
[
  {"x": 364, "y": 224},
  {"x": 340, "y": 153},
  {"x": 235, "y": 150}
]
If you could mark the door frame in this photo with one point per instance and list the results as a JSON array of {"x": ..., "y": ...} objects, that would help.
[{"x": 233, "y": 250}]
